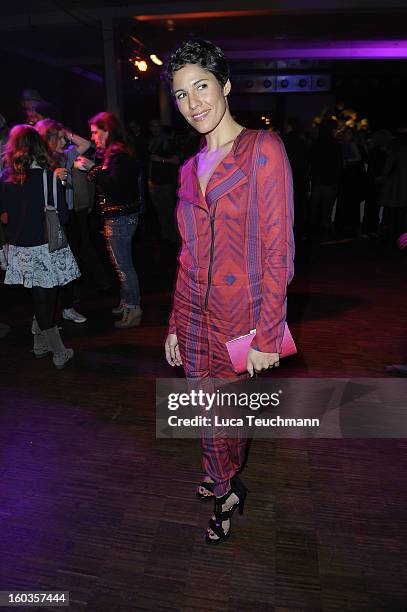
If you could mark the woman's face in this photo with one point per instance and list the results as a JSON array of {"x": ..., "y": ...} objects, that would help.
[
  {"x": 60, "y": 142},
  {"x": 99, "y": 136},
  {"x": 200, "y": 97}
]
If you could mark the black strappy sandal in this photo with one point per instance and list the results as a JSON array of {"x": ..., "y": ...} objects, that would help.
[
  {"x": 238, "y": 488},
  {"x": 208, "y": 486}
]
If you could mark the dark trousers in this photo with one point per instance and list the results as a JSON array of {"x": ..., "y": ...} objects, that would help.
[
  {"x": 350, "y": 195},
  {"x": 322, "y": 202},
  {"x": 83, "y": 249}
]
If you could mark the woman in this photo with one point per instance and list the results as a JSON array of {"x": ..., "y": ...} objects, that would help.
[
  {"x": 56, "y": 137},
  {"x": 117, "y": 182},
  {"x": 325, "y": 170},
  {"x": 235, "y": 220},
  {"x": 351, "y": 188},
  {"x": 29, "y": 261}
]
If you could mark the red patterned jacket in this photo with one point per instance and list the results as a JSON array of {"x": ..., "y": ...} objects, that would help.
[{"x": 237, "y": 242}]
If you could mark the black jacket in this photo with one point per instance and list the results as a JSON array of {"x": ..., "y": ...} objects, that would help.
[
  {"x": 117, "y": 184},
  {"x": 24, "y": 205}
]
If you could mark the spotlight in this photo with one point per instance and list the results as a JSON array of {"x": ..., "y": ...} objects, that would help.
[
  {"x": 141, "y": 65},
  {"x": 154, "y": 58}
]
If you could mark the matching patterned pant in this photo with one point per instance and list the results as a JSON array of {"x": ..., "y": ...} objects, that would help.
[{"x": 201, "y": 338}]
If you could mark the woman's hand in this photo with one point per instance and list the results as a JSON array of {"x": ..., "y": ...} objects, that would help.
[
  {"x": 257, "y": 361},
  {"x": 172, "y": 353},
  {"x": 83, "y": 163},
  {"x": 61, "y": 173}
]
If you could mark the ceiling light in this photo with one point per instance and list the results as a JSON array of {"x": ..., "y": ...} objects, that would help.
[
  {"x": 141, "y": 65},
  {"x": 154, "y": 58}
]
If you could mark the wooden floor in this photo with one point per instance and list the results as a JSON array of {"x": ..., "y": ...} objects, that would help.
[{"x": 92, "y": 503}]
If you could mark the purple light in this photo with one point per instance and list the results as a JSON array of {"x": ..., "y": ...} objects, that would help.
[{"x": 351, "y": 49}]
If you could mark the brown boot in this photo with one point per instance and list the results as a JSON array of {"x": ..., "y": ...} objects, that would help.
[{"x": 131, "y": 318}]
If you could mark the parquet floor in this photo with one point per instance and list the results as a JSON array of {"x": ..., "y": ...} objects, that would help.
[{"x": 92, "y": 503}]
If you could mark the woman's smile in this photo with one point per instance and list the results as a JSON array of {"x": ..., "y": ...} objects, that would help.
[{"x": 200, "y": 116}]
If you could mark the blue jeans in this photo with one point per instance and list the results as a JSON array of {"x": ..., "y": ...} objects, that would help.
[{"x": 119, "y": 233}]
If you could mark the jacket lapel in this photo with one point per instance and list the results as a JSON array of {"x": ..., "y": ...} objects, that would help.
[{"x": 228, "y": 176}]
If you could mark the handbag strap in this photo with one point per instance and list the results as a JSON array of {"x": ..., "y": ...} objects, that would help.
[
  {"x": 45, "y": 184},
  {"x": 54, "y": 191}
]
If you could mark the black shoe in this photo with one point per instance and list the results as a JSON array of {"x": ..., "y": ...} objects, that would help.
[{"x": 215, "y": 524}]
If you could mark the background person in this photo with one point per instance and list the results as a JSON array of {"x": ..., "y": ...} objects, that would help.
[
  {"x": 65, "y": 147},
  {"x": 29, "y": 261},
  {"x": 53, "y": 134},
  {"x": 117, "y": 182}
]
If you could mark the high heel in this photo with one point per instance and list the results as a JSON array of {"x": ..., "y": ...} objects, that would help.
[
  {"x": 215, "y": 524},
  {"x": 240, "y": 490},
  {"x": 207, "y": 486}
]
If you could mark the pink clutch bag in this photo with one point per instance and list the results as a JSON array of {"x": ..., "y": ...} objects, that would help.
[{"x": 239, "y": 347}]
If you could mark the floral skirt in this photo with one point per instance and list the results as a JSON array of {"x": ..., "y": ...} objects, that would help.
[{"x": 36, "y": 266}]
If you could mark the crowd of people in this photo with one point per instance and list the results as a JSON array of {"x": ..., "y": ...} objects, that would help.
[
  {"x": 348, "y": 184},
  {"x": 114, "y": 170}
]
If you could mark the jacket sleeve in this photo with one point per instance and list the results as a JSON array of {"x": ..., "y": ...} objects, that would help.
[
  {"x": 275, "y": 224},
  {"x": 171, "y": 322}
]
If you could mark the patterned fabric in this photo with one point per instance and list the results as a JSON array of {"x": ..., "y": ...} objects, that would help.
[
  {"x": 249, "y": 204},
  {"x": 36, "y": 266},
  {"x": 253, "y": 239},
  {"x": 201, "y": 338}
]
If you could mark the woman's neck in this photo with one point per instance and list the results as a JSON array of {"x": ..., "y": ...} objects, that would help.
[{"x": 224, "y": 133}]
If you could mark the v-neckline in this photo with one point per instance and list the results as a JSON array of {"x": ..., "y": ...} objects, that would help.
[{"x": 231, "y": 151}]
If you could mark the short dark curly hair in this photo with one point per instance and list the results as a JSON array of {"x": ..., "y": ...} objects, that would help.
[{"x": 201, "y": 52}]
